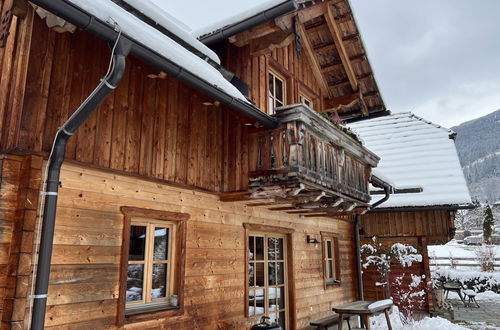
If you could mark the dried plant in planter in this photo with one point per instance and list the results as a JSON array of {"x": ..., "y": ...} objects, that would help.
[{"x": 341, "y": 125}]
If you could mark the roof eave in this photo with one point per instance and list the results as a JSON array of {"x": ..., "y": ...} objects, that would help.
[{"x": 91, "y": 24}]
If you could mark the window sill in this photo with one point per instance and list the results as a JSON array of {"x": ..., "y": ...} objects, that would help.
[
  {"x": 150, "y": 309},
  {"x": 333, "y": 283}
]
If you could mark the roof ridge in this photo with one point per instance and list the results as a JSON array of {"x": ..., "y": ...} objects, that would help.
[{"x": 448, "y": 130}]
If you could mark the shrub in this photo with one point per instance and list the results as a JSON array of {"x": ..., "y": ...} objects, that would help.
[
  {"x": 486, "y": 257},
  {"x": 475, "y": 280}
]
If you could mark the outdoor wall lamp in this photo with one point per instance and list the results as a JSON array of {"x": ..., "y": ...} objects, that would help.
[{"x": 311, "y": 240}]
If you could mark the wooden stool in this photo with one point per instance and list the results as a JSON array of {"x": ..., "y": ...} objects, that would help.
[{"x": 471, "y": 294}]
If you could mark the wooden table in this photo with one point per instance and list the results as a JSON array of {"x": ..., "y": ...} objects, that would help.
[
  {"x": 365, "y": 309},
  {"x": 453, "y": 286}
]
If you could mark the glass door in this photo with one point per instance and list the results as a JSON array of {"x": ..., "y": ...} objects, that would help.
[{"x": 267, "y": 277}]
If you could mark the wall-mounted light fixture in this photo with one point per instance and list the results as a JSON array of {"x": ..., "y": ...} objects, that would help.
[{"x": 312, "y": 240}]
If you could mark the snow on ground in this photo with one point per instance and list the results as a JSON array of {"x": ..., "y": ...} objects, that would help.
[
  {"x": 457, "y": 250},
  {"x": 482, "y": 296},
  {"x": 428, "y": 323},
  {"x": 452, "y": 248},
  {"x": 488, "y": 296}
]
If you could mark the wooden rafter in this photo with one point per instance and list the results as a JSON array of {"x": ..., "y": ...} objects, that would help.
[
  {"x": 324, "y": 48},
  {"x": 269, "y": 42},
  {"x": 314, "y": 61},
  {"x": 334, "y": 29},
  {"x": 332, "y": 67},
  {"x": 346, "y": 102},
  {"x": 302, "y": 16},
  {"x": 245, "y": 37}
]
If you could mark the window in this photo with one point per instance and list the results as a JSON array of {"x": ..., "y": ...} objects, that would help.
[
  {"x": 306, "y": 100},
  {"x": 331, "y": 259},
  {"x": 152, "y": 264},
  {"x": 277, "y": 91},
  {"x": 267, "y": 284}
]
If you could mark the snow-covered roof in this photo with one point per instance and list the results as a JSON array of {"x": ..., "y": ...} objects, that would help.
[
  {"x": 249, "y": 9},
  {"x": 141, "y": 32},
  {"x": 415, "y": 152},
  {"x": 163, "y": 18}
]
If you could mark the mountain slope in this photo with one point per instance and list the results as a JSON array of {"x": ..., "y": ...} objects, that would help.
[{"x": 478, "y": 146}]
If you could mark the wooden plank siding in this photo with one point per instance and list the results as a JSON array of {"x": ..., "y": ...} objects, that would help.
[
  {"x": 13, "y": 61},
  {"x": 157, "y": 128},
  {"x": 84, "y": 286},
  {"x": 19, "y": 190},
  {"x": 432, "y": 224},
  {"x": 253, "y": 70}
]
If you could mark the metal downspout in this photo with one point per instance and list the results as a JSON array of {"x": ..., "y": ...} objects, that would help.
[
  {"x": 56, "y": 158},
  {"x": 357, "y": 222}
]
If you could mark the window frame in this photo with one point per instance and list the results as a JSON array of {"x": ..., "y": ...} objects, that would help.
[
  {"x": 303, "y": 96},
  {"x": 177, "y": 270},
  {"x": 280, "y": 77},
  {"x": 149, "y": 262},
  {"x": 335, "y": 279}
]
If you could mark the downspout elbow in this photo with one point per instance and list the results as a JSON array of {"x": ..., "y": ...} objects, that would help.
[{"x": 387, "y": 192}]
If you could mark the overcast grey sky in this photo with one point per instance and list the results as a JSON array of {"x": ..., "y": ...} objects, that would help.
[{"x": 437, "y": 58}]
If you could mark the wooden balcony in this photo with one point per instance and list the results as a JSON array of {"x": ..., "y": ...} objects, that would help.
[{"x": 308, "y": 166}]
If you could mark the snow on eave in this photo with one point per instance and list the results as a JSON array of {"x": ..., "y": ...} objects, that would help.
[
  {"x": 161, "y": 17},
  {"x": 375, "y": 122},
  {"x": 381, "y": 176},
  {"x": 451, "y": 207},
  {"x": 236, "y": 18},
  {"x": 449, "y": 131},
  {"x": 149, "y": 37}
]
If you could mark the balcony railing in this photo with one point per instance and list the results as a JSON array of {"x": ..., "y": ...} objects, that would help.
[{"x": 308, "y": 156}]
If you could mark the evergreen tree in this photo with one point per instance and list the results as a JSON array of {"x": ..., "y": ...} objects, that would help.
[{"x": 488, "y": 224}]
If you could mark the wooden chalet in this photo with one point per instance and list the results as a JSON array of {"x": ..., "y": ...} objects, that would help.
[
  {"x": 205, "y": 190},
  {"x": 420, "y": 160}
]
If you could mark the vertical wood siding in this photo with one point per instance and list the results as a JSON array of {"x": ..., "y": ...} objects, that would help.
[
  {"x": 157, "y": 128},
  {"x": 13, "y": 63},
  {"x": 253, "y": 71},
  {"x": 19, "y": 191},
  {"x": 417, "y": 223}
]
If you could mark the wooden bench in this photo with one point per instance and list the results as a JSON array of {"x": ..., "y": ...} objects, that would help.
[{"x": 325, "y": 322}]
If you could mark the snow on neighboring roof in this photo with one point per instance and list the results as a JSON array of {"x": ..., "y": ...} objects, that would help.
[
  {"x": 415, "y": 152},
  {"x": 144, "y": 34},
  {"x": 228, "y": 20},
  {"x": 164, "y": 19}
]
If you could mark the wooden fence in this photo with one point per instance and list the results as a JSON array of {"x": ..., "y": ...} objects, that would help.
[{"x": 463, "y": 263}]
